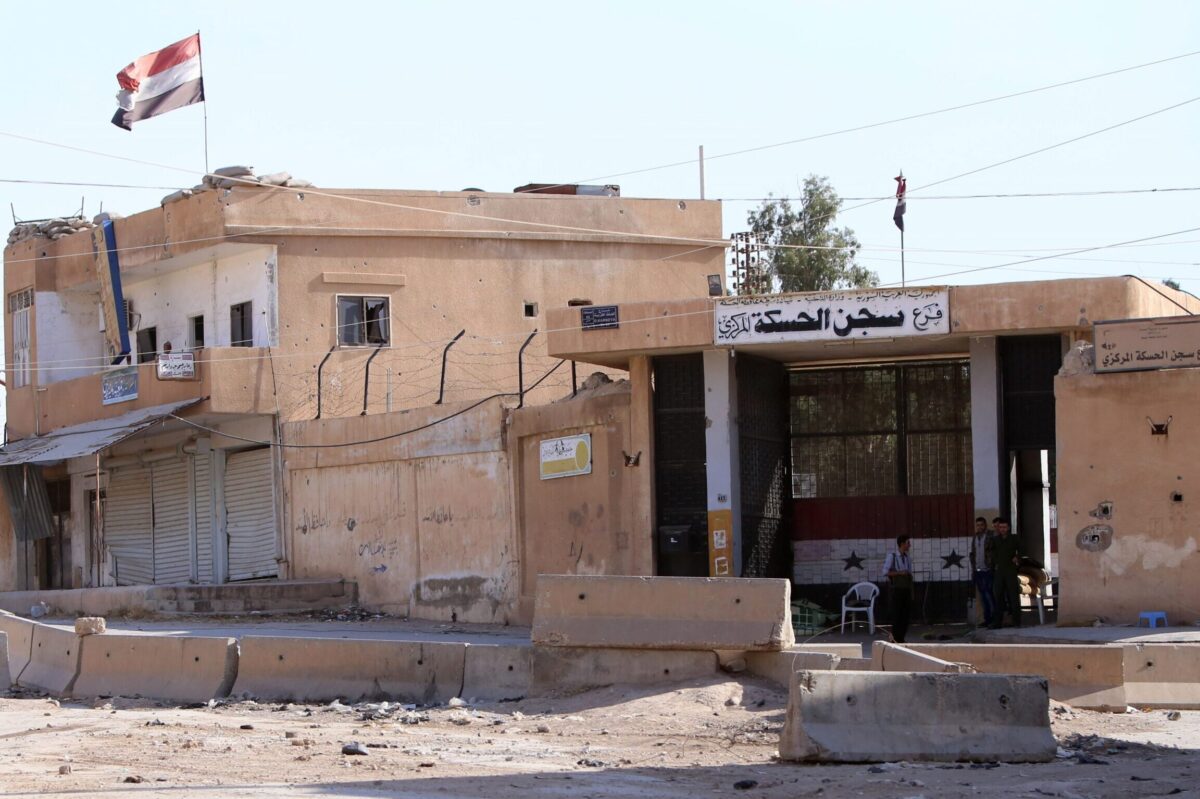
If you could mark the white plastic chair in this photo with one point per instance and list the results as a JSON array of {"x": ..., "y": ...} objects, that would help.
[{"x": 859, "y": 593}]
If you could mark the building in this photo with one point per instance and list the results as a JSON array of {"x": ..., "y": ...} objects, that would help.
[
  {"x": 280, "y": 307},
  {"x": 798, "y": 435}
]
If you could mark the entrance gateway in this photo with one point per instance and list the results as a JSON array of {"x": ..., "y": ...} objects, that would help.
[{"x": 847, "y": 421}]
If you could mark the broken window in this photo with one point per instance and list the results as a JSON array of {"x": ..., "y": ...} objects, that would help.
[
  {"x": 363, "y": 321},
  {"x": 241, "y": 325}
]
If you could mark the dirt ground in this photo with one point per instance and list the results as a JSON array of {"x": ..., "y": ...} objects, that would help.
[{"x": 714, "y": 738}]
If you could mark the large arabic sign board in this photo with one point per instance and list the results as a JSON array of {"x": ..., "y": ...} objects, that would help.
[
  {"x": 1138, "y": 345},
  {"x": 565, "y": 457},
  {"x": 833, "y": 316}
]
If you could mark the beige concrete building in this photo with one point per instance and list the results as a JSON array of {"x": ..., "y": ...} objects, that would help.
[
  {"x": 284, "y": 306},
  {"x": 798, "y": 435}
]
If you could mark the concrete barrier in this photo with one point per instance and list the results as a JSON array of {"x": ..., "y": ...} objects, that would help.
[
  {"x": 495, "y": 671},
  {"x": 175, "y": 668},
  {"x": 53, "y": 661},
  {"x": 6, "y": 679},
  {"x": 112, "y": 601},
  {"x": 856, "y": 664},
  {"x": 1083, "y": 675},
  {"x": 323, "y": 669},
  {"x": 778, "y": 667},
  {"x": 1162, "y": 675},
  {"x": 577, "y": 669},
  {"x": 691, "y": 613},
  {"x": 20, "y": 642},
  {"x": 899, "y": 657},
  {"x": 863, "y": 717}
]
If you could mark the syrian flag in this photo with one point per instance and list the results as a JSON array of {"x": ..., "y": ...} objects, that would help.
[
  {"x": 159, "y": 82},
  {"x": 901, "y": 203}
]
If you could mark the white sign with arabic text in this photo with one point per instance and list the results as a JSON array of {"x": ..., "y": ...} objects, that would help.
[{"x": 833, "y": 316}]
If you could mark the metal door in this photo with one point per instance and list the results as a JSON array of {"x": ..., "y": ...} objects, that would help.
[
  {"x": 172, "y": 506},
  {"x": 129, "y": 525},
  {"x": 250, "y": 514}
]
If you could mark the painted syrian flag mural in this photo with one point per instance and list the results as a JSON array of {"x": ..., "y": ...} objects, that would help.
[{"x": 159, "y": 82}]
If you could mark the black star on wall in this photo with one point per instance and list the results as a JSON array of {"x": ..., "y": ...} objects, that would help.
[
  {"x": 953, "y": 559},
  {"x": 852, "y": 562}
]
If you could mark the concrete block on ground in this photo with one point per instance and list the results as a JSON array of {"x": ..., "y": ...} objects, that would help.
[
  {"x": 864, "y": 717},
  {"x": 899, "y": 657},
  {"x": 6, "y": 679},
  {"x": 580, "y": 668},
  {"x": 20, "y": 642},
  {"x": 175, "y": 668},
  {"x": 53, "y": 661},
  {"x": 778, "y": 667},
  {"x": 90, "y": 625},
  {"x": 1084, "y": 675},
  {"x": 856, "y": 664},
  {"x": 324, "y": 669},
  {"x": 691, "y": 613},
  {"x": 497, "y": 671},
  {"x": 1162, "y": 675}
]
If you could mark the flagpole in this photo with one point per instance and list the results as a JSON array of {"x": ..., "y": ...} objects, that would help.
[
  {"x": 901, "y": 257},
  {"x": 200, "y": 54}
]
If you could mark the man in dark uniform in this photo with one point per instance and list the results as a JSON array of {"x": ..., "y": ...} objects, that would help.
[
  {"x": 1006, "y": 556},
  {"x": 898, "y": 568}
]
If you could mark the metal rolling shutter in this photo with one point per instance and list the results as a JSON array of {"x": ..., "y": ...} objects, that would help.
[
  {"x": 203, "y": 511},
  {"x": 172, "y": 505},
  {"x": 250, "y": 514},
  {"x": 128, "y": 525}
]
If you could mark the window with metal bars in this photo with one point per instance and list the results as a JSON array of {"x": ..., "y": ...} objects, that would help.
[{"x": 888, "y": 430}]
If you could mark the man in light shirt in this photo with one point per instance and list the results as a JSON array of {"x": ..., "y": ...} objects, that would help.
[{"x": 981, "y": 567}]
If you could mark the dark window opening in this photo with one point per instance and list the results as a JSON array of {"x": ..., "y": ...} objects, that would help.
[
  {"x": 363, "y": 321},
  {"x": 241, "y": 325},
  {"x": 531, "y": 310},
  {"x": 197, "y": 332},
  {"x": 897, "y": 430},
  {"x": 147, "y": 345}
]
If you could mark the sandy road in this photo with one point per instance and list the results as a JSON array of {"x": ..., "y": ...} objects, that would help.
[{"x": 699, "y": 739}]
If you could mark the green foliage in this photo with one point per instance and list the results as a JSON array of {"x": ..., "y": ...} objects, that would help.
[
  {"x": 1172, "y": 283},
  {"x": 809, "y": 223}
]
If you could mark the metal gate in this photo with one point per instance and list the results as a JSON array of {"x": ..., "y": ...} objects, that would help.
[
  {"x": 129, "y": 525},
  {"x": 1027, "y": 368},
  {"x": 680, "y": 476},
  {"x": 202, "y": 508},
  {"x": 250, "y": 514},
  {"x": 172, "y": 507},
  {"x": 762, "y": 410}
]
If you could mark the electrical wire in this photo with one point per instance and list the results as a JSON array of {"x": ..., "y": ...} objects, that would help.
[
  {"x": 896, "y": 120},
  {"x": 1018, "y": 195},
  {"x": 364, "y": 442}
]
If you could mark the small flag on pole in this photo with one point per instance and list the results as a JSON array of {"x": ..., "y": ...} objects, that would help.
[
  {"x": 901, "y": 203},
  {"x": 159, "y": 82}
]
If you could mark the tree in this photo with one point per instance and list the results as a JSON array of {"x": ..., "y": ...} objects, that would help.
[
  {"x": 1172, "y": 283},
  {"x": 810, "y": 223}
]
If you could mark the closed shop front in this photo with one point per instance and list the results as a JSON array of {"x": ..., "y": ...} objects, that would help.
[{"x": 250, "y": 514}]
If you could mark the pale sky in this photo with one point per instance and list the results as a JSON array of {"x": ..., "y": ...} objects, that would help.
[{"x": 438, "y": 95}]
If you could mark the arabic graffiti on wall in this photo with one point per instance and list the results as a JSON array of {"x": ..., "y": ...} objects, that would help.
[
  {"x": 1143, "y": 344},
  {"x": 832, "y": 316}
]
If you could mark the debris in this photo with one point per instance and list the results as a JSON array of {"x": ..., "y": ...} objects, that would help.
[
  {"x": 354, "y": 748},
  {"x": 456, "y": 702},
  {"x": 289, "y": 734},
  {"x": 591, "y": 763},
  {"x": 543, "y": 728},
  {"x": 135, "y": 779},
  {"x": 1174, "y": 715},
  {"x": 735, "y": 666},
  {"x": 246, "y": 727},
  {"x": 156, "y": 723},
  {"x": 745, "y": 785},
  {"x": 65, "y": 768},
  {"x": 90, "y": 625},
  {"x": 39, "y": 610},
  {"x": 425, "y": 764}
]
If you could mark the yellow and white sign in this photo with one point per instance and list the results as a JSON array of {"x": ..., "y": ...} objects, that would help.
[{"x": 566, "y": 457}]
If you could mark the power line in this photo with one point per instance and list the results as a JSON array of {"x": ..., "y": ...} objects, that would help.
[
  {"x": 1019, "y": 195},
  {"x": 1048, "y": 257},
  {"x": 376, "y": 440},
  {"x": 908, "y": 118}
]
